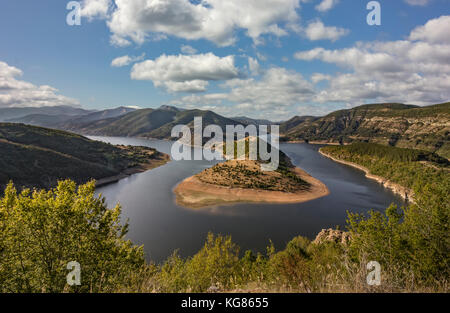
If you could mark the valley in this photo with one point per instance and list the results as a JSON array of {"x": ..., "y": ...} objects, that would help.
[{"x": 392, "y": 124}]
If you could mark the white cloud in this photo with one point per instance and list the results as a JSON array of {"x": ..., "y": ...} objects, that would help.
[
  {"x": 318, "y": 31},
  {"x": 213, "y": 20},
  {"x": 356, "y": 58},
  {"x": 19, "y": 93},
  {"x": 272, "y": 96},
  {"x": 405, "y": 71},
  {"x": 318, "y": 77},
  {"x": 326, "y": 5},
  {"x": 126, "y": 60},
  {"x": 277, "y": 88},
  {"x": 408, "y": 71},
  {"x": 95, "y": 8},
  {"x": 261, "y": 56},
  {"x": 434, "y": 31},
  {"x": 418, "y": 2},
  {"x": 186, "y": 49},
  {"x": 119, "y": 41},
  {"x": 253, "y": 66},
  {"x": 185, "y": 73},
  {"x": 7, "y": 71}
]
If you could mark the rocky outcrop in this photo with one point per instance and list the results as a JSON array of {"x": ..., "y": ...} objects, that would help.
[
  {"x": 403, "y": 126},
  {"x": 333, "y": 235}
]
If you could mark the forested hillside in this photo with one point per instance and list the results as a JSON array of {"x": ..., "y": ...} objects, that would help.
[
  {"x": 154, "y": 123},
  {"x": 394, "y": 124},
  {"x": 399, "y": 125},
  {"x": 410, "y": 168},
  {"x": 39, "y": 157}
]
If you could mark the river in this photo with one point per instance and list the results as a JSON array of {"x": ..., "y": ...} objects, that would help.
[{"x": 155, "y": 220}]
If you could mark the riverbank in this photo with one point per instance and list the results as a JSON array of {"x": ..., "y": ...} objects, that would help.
[
  {"x": 322, "y": 142},
  {"x": 194, "y": 194},
  {"x": 406, "y": 193},
  {"x": 151, "y": 164}
]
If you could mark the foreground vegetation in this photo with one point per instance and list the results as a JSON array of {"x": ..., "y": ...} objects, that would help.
[{"x": 42, "y": 231}]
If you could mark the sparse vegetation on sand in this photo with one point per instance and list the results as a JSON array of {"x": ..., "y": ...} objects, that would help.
[{"x": 243, "y": 181}]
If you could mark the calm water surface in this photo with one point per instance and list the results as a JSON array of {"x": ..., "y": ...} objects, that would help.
[{"x": 162, "y": 226}]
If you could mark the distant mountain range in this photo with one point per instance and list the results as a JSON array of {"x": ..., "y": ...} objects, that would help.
[
  {"x": 152, "y": 123},
  {"x": 16, "y": 113},
  {"x": 250, "y": 121},
  {"x": 394, "y": 124},
  {"x": 58, "y": 117}
]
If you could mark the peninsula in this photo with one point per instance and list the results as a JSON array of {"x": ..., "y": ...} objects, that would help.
[{"x": 236, "y": 181}]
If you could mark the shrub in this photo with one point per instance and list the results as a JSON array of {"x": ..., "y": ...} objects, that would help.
[{"x": 42, "y": 231}]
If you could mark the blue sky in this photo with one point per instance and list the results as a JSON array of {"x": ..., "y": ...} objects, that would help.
[{"x": 308, "y": 57}]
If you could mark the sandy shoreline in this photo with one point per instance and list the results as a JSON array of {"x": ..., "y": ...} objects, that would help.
[
  {"x": 194, "y": 194},
  {"x": 405, "y": 193}
]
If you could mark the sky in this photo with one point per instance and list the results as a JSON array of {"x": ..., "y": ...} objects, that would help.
[{"x": 261, "y": 58}]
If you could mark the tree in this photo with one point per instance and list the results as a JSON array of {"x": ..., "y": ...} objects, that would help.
[
  {"x": 412, "y": 245},
  {"x": 42, "y": 231}
]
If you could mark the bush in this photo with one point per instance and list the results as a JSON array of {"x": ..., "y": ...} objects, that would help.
[
  {"x": 411, "y": 244},
  {"x": 42, "y": 231}
]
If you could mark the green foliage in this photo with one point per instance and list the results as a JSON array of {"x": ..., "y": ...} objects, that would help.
[
  {"x": 410, "y": 168},
  {"x": 216, "y": 264},
  {"x": 411, "y": 244},
  {"x": 42, "y": 231}
]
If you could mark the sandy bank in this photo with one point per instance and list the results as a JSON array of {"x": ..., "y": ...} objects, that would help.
[
  {"x": 403, "y": 192},
  {"x": 192, "y": 193}
]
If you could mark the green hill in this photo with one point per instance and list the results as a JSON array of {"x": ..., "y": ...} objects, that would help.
[
  {"x": 152, "y": 123},
  {"x": 410, "y": 168},
  {"x": 294, "y": 122},
  {"x": 400, "y": 125},
  {"x": 38, "y": 157}
]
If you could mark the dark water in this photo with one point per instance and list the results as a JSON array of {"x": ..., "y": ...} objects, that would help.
[{"x": 158, "y": 223}]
